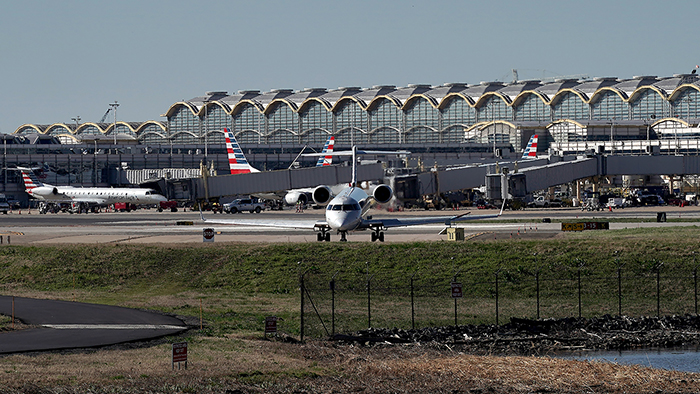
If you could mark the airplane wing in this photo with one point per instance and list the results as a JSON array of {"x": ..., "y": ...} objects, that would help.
[
  {"x": 446, "y": 220},
  {"x": 275, "y": 223}
]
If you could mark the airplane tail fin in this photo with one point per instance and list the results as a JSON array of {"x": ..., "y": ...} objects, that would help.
[
  {"x": 236, "y": 159},
  {"x": 30, "y": 179},
  {"x": 531, "y": 149},
  {"x": 326, "y": 159}
]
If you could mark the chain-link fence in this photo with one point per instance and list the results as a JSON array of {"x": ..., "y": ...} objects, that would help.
[{"x": 333, "y": 303}]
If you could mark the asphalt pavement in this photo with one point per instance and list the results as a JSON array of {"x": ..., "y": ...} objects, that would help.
[{"x": 56, "y": 325}]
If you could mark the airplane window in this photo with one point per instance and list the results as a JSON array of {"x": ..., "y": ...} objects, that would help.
[
  {"x": 329, "y": 207},
  {"x": 347, "y": 207},
  {"x": 357, "y": 206},
  {"x": 337, "y": 207}
]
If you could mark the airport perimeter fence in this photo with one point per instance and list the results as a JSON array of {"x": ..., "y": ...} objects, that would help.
[{"x": 343, "y": 303}]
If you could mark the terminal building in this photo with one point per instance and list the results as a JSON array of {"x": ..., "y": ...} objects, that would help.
[{"x": 449, "y": 124}]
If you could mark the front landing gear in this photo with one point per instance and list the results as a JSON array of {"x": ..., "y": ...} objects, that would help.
[
  {"x": 343, "y": 236},
  {"x": 377, "y": 234},
  {"x": 323, "y": 236}
]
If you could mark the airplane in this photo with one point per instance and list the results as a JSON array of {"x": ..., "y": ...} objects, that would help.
[
  {"x": 236, "y": 159},
  {"x": 238, "y": 164},
  {"x": 530, "y": 151},
  {"x": 347, "y": 211},
  {"x": 86, "y": 196}
]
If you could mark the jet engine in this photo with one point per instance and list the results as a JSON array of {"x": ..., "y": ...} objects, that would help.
[
  {"x": 322, "y": 195},
  {"x": 291, "y": 198},
  {"x": 382, "y": 194}
]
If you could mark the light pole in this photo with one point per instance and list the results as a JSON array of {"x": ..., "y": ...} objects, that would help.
[
  {"x": 206, "y": 138},
  {"x": 612, "y": 142},
  {"x": 114, "y": 106},
  {"x": 76, "y": 120}
]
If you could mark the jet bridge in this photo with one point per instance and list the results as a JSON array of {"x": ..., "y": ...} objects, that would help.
[{"x": 276, "y": 181}]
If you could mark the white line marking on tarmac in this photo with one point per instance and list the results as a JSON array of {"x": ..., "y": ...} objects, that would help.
[{"x": 113, "y": 327}]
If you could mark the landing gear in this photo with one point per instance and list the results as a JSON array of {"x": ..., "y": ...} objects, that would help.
[
  {"x": 323, "y": 235},
  {"x": 343, "y": 236},
  {"x": 377, "y": 234}
]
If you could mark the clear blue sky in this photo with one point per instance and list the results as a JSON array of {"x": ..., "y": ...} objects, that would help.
[{"x": 62, "y": 59}]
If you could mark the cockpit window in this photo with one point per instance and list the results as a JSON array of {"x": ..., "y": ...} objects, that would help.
[
  {"x": 349, "y": 207},
  {"x": 338, "y": 207}
]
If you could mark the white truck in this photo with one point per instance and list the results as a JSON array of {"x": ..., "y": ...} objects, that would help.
[
  {"x": 544, "y": 202},
  {"x": 244, "y": 204}
]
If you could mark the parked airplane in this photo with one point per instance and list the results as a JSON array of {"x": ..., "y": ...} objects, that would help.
[
  {"x": 347, "y": 211},
  {"x": 86, "y": 196},
  {"x": 530, "y": 151},
  {"x": 238, "y": 164}
]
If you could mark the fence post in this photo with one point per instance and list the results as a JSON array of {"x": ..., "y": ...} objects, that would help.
[
  {"x": 497, "y": 271},
  {"x": 333, "y": 303},
  {"x": 579, "y": 292},
  {"x": 413, "y": 311},
  {"x": 537, "y": 280},
  {"x": 695, "y": 280},
  {"x": 658, "y": 289},
  {"x": 303, "y": 290},
  {"x": 369, "y": 309},
  {"x": 619, "y": 291}
]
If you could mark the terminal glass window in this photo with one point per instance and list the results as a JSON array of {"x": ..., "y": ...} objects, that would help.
[
  {"x": 453, "y": 134},
  {"x": 384, "y": 135},
  {"x": 89, "y": 130},
  {"x": 532, "y": 108},
  {"x": 282, "y": 117},
  {"x": 495, "y": 109},
  {"x": 385, "y": 116},
  {"x": 458, "y": 112},
  {"x": 216, "y": 120},
  {"x": 570, "y": 106},
  {"x": 419, "y": 112},
  {"x": 315, "y": 137},
  {"x": 184, "y": 121},
  {"x": 349, "y": 115},
  {"x": 422, "y": 135},
  {"x": 153, "y": 134},
  {"x": 648, "y": 103},
  {"x": 185, "y": 138},
  {"x": 609, "y": 105},
  {"x": 249, "y": 137},
  {"x": 315, "y": 116},
  {"x": 247, "y": 117},
  {"x": 283, "y": 137},
  {"x": 687, "y": 104},
  {"x": 351, "y": 136}
]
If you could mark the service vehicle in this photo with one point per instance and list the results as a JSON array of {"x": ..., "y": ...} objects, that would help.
[
  {"x": 4, "y": 205},
  {"x": 244, "y": 204}
]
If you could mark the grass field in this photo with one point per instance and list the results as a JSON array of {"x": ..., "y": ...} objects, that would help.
[{"x": 235, "y": 286}]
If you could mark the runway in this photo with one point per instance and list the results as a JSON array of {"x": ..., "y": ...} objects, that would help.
[{"x": 150, "y": 226}]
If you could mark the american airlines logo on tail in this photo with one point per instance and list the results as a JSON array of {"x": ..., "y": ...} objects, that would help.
[
  {"x": 236, "y": 159},
  {"x": 328, "y": 148},
  {"x": 531, "y": 149},
  {"x": 30, "y": 180}
]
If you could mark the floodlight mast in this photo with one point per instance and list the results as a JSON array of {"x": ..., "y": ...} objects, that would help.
[{"x": 114, "y": 106}]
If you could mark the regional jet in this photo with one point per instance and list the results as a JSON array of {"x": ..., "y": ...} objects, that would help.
[
  {"x": 347, "y": 211},
  {"x": 86, "y": 196}
]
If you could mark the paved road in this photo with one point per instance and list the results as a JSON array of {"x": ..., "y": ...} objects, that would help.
[
  {"x": 161, "y": 227},
  {"x": 68, "y": 325}
]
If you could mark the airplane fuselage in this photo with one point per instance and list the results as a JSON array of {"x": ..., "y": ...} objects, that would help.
[
  {"x": 344, "y": 212},
  {"x": 96, "y": 195}
]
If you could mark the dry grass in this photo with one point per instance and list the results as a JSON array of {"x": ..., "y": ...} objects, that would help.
[{"x": 253, "y": 365}]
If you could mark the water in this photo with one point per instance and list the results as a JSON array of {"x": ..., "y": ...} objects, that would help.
[{"x": 685, "y": 360}]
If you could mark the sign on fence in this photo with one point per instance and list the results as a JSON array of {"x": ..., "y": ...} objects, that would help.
[
  {"x": 585, "y": 226},
  {"x": 456, "y": 290},
  {"x": 179, "y": 354},
  {"x": 271, "y": 325}
]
